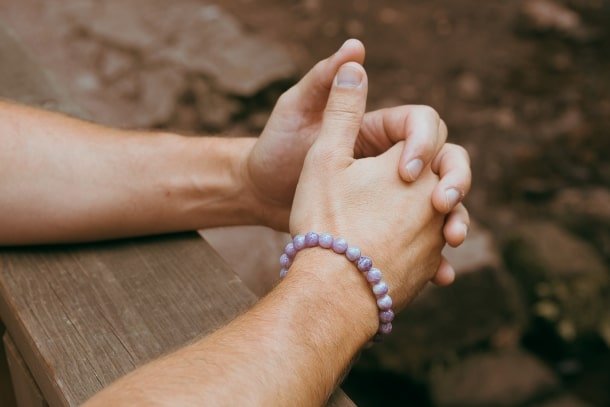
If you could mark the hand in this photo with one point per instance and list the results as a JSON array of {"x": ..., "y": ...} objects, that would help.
[
  {"x": 364, "y": 200},
  {"x": 275, "y": 163}
]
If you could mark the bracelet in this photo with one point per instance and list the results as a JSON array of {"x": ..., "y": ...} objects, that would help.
[{"x": 352, "y": 253}]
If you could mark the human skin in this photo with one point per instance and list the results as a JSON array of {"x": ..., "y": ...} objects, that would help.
[
  {"x": 65, "y": 180},
  {"x": 294, "y": 345}
]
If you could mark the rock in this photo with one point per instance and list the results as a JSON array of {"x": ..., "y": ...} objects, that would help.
[
  {"x": 469, "y": 86},
  {"x": 258, "y": 120},
  {"x": 443, "y": 321},
  {"x": 114, "y": 63},
  {"x": 238, "y": 62},
  {"x": 504, "y": 118},
  {"x": 565, "y": 400},
  {"x": 215, "y": 109},
  {"x": 311, "y": 6},
  {"x": 478, "y": 252},
  {"x": 564, "y": 278},
  {"x": 114, "y": 21},
  {"x": 506, "y": 378},
  {"x": 160, "y": 88},
  {"x": 548, "y": 15},
  {"x": 185, "y": 118},
  {"x": 547, "y": 251},
  {"x": 583, "y": 205},
  {"x": 140, "y": 99},
  {"x": 258, "y": 269},
  {"x": 354, "y": 28},
  {"x": 201, "y": 38},
  {"x": 389, "y": 15}
]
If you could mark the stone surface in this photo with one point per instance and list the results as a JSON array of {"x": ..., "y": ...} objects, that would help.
[
  {"x": 25, "y": 81},
  {"x": 238, "y": 62},
  {"x": 479, "y": 251},
  {"x": 131, "y": 61},
  {"x": 215, "y": 109},
  {"x": 549, "y": 15},
  {"x": 564, "y": 278},
  {"x": 507, "y": 378},
  {"x": 258, "y": 269},
  {"x": 583, "y": 205},
  {"x": 565, "y": 400},
  {"x": 444, "y": 321}
]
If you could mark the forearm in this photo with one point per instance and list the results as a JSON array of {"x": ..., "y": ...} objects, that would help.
[
  {"x": 62, "y": 179},
  {"x": 290, "y": 349}
]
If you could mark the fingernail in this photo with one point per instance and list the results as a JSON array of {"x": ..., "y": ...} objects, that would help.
[
  {"x": 414, "y": 168},
  {"x": 452, "y": 196},
  {"x": 349, "y": 77}
]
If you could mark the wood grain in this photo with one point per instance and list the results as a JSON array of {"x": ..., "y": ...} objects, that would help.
[
  {"x": 27, "y": 392},
  {"x": 83, "y": 316}
]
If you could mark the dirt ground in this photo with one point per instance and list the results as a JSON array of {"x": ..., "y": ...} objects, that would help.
[{"x": 523, "y": 85}]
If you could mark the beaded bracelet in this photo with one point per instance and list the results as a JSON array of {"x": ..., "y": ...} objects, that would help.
[{"x": 352, "y": 253}]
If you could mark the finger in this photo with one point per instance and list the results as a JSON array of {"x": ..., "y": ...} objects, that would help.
[
  {"x": 344, "y": 111},
  {"x": 425, "y": 136},
  {"x": 456, "y": 226},
  {"x": 421, "y": 127},
  {"x": 452, "y": 164},
  {"x": 445, "y": 275},
  {"x": 311, "y": 92}
]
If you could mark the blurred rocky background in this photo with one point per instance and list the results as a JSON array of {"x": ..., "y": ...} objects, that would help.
[{"x": 523, "y": 85}]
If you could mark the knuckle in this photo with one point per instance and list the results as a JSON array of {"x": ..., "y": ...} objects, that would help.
[{"x": 342, "y": 112}]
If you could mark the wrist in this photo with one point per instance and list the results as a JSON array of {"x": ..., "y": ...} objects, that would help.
[
  {"x": 339, "y": 294},
  {"x": 269, "y": 211},
  {"x": 222, "y": 194}
]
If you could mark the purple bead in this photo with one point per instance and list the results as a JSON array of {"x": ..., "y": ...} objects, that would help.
[
  {"x": 384, "y": 303},
  {"x": 380, "y": 289},
  {"x": 365, "y": 264},
  {"x": 385, "y": 328},
  {"x": 290, "y": 250},
  {"x": 283, "y": 273},
  {"x": 352, "y": 253},
  {"x": 311, "y": 239},
  {"x": 386, "y": 316},
  {"x": 285, "y": 261},
  {"x": 325, "y": 241},
  {"x": 299, "y": 242},
  {"x": 340, "y": 245},
  {"x": 373, "y": 276}
]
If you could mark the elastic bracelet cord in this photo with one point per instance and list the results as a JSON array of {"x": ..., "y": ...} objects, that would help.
[{"x": 352, "y": 253}]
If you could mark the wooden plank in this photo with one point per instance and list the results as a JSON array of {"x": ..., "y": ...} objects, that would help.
[
  {"x": 7, "y": 396},
  {"x": 27, "y": 392},
  {"x": 95, "y": 312}
]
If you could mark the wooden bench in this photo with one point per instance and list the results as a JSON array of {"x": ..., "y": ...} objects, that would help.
[{"x": 78, "y": 317}]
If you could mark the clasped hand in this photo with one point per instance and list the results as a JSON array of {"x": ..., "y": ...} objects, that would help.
[{"x": 385, "y": 180}]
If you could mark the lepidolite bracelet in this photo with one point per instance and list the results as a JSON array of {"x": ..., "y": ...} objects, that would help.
[{"x": 352, "y": 253}]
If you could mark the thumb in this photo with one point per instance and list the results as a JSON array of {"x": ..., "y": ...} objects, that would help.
[
  {"x": 312, "y": 91},
  {"x": 344, "y": 111}
]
